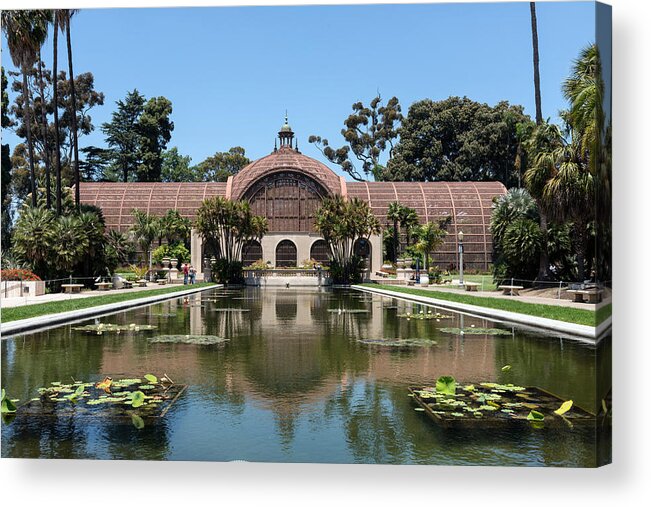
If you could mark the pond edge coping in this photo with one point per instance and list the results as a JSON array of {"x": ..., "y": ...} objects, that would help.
[
  {"x": 51, "y": 320},
  {"x": 590, "y": 334}
]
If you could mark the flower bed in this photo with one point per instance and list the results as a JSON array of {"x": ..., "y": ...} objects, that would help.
[{"x": 16, "y": 275}]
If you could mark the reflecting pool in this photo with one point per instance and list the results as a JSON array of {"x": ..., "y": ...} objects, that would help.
[{"x": 294, "y": 383}]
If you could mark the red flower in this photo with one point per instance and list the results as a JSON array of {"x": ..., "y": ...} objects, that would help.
[{"x": 14, "y": 275}]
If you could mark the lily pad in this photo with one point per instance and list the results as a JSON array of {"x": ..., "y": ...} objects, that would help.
[
  {"x": 137, "y": 421},
  {"x": 6, "y": 404},
  {"x": 138, "y": 399},
  {"x": 151, "y": 378},
  {"x": 446, "y": 385},
  {"x": 410, "y": 342},
  {"x": 114, "y": 328},
  {"x": 188, "y": 339},
  {"x": 564, "y": 407}
]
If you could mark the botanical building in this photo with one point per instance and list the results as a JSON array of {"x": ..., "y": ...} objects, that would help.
[{"x": 287, "y": 188}]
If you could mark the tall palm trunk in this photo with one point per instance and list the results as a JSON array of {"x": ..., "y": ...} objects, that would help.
[
  {"x": 73, "y": 115},
  {"x": 536, "y": 63},
  {"x": 396, "y": 241},
  {"x": 28, "y": 127},
  {"x": 543, "y": 262},
  {"x": 57, "y": 142},
  {"x": 46, "y": 144}
]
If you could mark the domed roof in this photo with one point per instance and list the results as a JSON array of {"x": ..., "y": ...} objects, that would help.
[{"x": 285, "y": 159}]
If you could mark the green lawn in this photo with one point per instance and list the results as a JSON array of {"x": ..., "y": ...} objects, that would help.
[
  {"x": 562, "y": 313},
  {"x": 36, "y": 310}
]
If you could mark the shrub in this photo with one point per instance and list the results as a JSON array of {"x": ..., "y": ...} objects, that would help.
[
  {"x": 259, "y": 264},
  {"x": 19, "y": 274},
  {"x": 227, "y": 272},
  {"x": 177, "y": 251}
]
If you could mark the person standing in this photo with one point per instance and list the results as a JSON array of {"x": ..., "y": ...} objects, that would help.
[
  {"x": 193, "y": 274},
  {"x": 186, "y": 273}
]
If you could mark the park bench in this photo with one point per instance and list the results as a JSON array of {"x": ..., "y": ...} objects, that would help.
[
  {"x": 142, "y": 282},
  {"x": 382, "y": 274},
  {"x": 588, "y": 295},
  {"x": 103, "y": 285},
  {"x": 471, "y": 286},
  {"x": 162, "y": 281},
  {"x": 511, "y": 290},
  {"x": 411, "y": 282},
  {"x": 71, "y": 288},
  {"x": 127, "y": 284}
]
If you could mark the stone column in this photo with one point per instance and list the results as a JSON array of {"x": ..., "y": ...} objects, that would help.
[{"x": 196, "y": 245}]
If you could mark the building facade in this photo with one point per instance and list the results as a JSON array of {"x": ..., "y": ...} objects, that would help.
[{"x": 287, "y": 188}]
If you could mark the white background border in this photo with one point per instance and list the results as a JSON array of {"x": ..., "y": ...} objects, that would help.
[{"x": 626, "y": 482}]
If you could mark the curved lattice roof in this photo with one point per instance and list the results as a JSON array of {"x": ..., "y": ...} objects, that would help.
[
  {"x": 284, "y": 159},
  {"x": 117, "y": 200},
  {"x": 468, "y": 203}
]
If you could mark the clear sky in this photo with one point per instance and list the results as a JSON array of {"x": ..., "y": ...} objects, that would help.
[{"x": 232, "y": 72}]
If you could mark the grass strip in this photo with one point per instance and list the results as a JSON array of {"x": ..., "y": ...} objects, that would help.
[
  {"x": 36, "y": 310},
  {"x": 562, "y": 313}
]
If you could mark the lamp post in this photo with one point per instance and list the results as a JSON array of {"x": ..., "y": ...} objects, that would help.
[{"x": 460, "y": 236}]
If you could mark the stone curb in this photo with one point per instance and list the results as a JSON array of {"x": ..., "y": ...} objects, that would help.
[
  {"x": 54, "y": 319},
  {"x": 587, "y": 333}
]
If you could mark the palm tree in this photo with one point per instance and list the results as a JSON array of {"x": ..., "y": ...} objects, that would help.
[
  {"x": 394, "y": 213},
  {"x": 64, "y": 23},
  {"x": 144, "y": 230},
  {"x": 56, "y": 21},
  {"x": 409, "y": 219},
  {"x": 26, "y": 31},
  {"x": 46, "y": 144},
  {"x": 429, "y": 236},
  {"x": 536, "y": 62}
]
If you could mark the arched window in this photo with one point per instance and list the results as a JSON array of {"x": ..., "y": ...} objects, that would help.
[
  {"x": 286, "y": 254},
  {"x": 251, "y": 252},
  {"x": 320, "y": 252}
]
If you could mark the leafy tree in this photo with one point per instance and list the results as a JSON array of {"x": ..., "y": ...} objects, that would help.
[
  {"x": 72, "y": 243},
  {"x": 118, "y": 247},
  {"x": 457, "y": 139},
  {"x": 175, "y": 227},
  {"x": 521, "y": 245},
  {"x": 176, "y": 167},
  {"x": 369, "y": 130},
  {"x": 429, "y": 237},
  {"x": 155, "y": 130},
  {"x": 409, "y": 221},
  {"x": 5, "y": 165},
  {"x": 123, "y": 135},
  {"x": 342, "y": 223},
  {"x": 26, "y": 32},
  {"x": 221, "y": 165},
  {"x": 95, "y": 164}
]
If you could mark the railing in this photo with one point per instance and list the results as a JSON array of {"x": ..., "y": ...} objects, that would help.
[{"x": 258, "y": 273}]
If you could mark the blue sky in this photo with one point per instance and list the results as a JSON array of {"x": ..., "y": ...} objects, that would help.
[{"x": 231, "y": 72}]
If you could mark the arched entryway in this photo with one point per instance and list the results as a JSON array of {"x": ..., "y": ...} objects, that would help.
[
  {"x": 362, "y": 248},
  {"x": 320, "y": 252},
  {"x": 286, "y": 256},
  {"x": 251, "y": 252}
]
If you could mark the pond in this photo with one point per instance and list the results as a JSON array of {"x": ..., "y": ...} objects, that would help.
[{"x": 299, "y": 375}]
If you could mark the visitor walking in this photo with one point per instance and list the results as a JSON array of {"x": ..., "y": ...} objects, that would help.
[
  {"x": 186, "y": 273},
  {"x": 193, "y": 274}
]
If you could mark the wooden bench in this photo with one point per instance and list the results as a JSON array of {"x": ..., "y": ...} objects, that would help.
[
  {"x": 471, "y": 286},
  {"x": 142, "y": 282},
  {"x": 71, "y": 288},
  {"x": 103, "y": 285},
  {"x": 588, "y": 295},
  {"x": 511, "y": 290}
]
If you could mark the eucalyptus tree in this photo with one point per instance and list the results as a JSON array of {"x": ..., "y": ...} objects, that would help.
[
  {"x": 536, "y": 63},
  {"x": 26, "y": 32},
  {"x": 342, "y": 223},
  {"x": 64, "y": 23}
]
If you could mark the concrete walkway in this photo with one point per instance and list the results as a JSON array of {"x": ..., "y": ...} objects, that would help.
[
  {"x": 46, "y": 298},
  {"x": 589, "y": 334},
  {"x": 54, "y": 319}
]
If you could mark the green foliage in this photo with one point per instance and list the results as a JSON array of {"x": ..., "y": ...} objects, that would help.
[
  {"x": 138, "y": 399},
  {"x": 177, "y": 251},
  {"x": 446, "y": 385},
  {"x": 342, "y": 223},
  {"x": 176, "y": 167},
  {"x": 521, "y": 247},
  {"x": 6, "y": 405},
  {"x": 429, "y": 237},
  {"x": 369, "y": 130},
  {"x": 457, "y": 139},
  {"x": 139, "y": 271},
  {"x": 155, "y": 130},
  {"x": 153, "y": 379},
  {"x": 174, "y": 227},
  {"x": 221, "y": 165},
  {"x": 144, "y": 229},
  {"x": 225, "y": 271}
]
